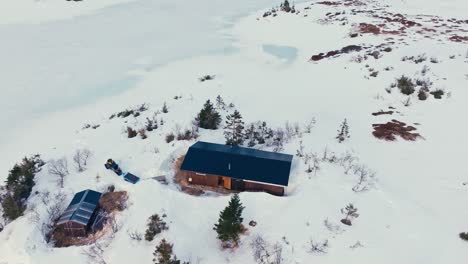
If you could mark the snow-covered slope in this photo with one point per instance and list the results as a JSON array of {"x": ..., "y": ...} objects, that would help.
[{"x": 414, "y": 209}]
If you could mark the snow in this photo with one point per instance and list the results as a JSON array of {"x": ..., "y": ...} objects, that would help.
[{"x": 413, "y": 214}]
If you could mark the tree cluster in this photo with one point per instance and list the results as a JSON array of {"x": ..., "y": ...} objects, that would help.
[
  {"x": 155, "y": 226},
  {"x": 19, "y": 185},
  {"x": 164, "y": 255}
]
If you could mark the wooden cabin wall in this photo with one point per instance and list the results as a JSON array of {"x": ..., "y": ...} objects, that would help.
[
  {"x": 207, "y": 180},
  {"x": 74, "y": 229},
  {"x": 272, "y": 189}
]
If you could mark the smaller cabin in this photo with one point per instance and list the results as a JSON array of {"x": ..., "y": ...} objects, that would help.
[
  {"x": 236, "y": 168},
  {"x": 80, "y": 216}
]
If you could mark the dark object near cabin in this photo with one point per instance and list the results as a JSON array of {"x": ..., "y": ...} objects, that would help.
[
  {"x": 81, "y": 216},
  {"x": 236, "y": 168}
]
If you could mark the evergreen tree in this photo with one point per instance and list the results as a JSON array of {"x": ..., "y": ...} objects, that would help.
[
  {"x": 12, "y": 209},
  {"x": 164, "y": 108},
  {"x": 250, "y": 135},
  {"x": 19, "y": 184},
  {"x": 208, "y": 117},
  {"x": 234, "y": 129},
  {"x": 229, "y": 224},
  {"x": 220, "y": 103},
  {"x": 343, "y": 131},
  {"x": 163, "y": 254}
]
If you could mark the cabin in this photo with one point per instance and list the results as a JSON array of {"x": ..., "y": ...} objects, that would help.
[
  {"x": 236, "y": 168},
  {"x": 81, "y": 215}
]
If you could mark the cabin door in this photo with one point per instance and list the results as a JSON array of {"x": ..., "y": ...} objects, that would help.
[{"x": 227, "y": 183}]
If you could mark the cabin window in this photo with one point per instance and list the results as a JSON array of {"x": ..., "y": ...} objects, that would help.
[{"x": 190, "y": 179}]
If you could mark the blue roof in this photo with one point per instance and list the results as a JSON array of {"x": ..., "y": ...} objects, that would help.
[
  {"x": 81, "y": 207},
  {"x": 238, "y": 162}
]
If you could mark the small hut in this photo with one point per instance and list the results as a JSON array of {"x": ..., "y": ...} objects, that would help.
[
  {"x": 80, "y": 216},
  {"x": 236, "y": 168}
]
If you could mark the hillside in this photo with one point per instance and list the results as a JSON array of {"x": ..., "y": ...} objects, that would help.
[{"x": 303, "y": 73}]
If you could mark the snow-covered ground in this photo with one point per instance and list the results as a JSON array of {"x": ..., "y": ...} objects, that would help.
[{"x": 413, "y": 213}]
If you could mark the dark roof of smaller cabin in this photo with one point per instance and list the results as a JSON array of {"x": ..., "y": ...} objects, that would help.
[
  {"x": 81, "y": 207},
  {"x": 238, "y": 162}
]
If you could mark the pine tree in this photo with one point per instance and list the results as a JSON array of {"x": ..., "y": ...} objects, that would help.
[
  {"x": 234, "y": 129},
  {"x": 164, "y": 108},
  {"x": 350, "y": 212},
  {"x": 250, "y": 135},
  {"x": 163, "y": 254},
  {"x": 220, "y": 103},
  {"x": 343, "y": 131},
  {"x": 229, "y": 224},
  {"x": 12, "y": 209},
  {"x": 208, "y": 117}
]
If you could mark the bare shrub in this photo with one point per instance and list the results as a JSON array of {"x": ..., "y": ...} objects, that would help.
[
  {"x": 114, "y": 225},
  {"x": 81, "y": 159},
  {"x": 152, "y": 123},
  {"x": 318, "y": 247},
  {"x": 142, "y": 133},
  {"x": 54, "y": 205},
  {"x": 332, "y": 227},
  {"x": 309, "y": 125},
  {"x": 135, "y": 235},
  {"x": 264, "y": 253},
  {"x": 278, "y": 140},
  {"x": 366, "y": 178},
  {"x": 59, "y": 168},
  {"x": 407, "y": 102},
  {"x": 170, "y": 137},
  {"x": 131, "y": 133},
  {"x": 313, "y": 163},
  {"x": 358, "y": 244},
  {"x": 347, "y": 161},
  {"x": 95, "y": 253},
  {"x": 186, "y": 134}
]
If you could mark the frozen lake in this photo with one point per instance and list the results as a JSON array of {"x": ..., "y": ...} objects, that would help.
[
  {"x": 286, "y": 53},
  {"x": 60, "y": 64}
]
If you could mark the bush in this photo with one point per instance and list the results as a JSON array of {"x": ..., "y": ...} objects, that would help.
[
  {"x": 438, "y": 93},
  {"x": 155, "y": 226},
  {"x": 422, "y": 95},
  {"x": 142, "y": 133},
  {"x": 131, "y": 133},
  {"x": 186, "y": 135},
  {"x": 464, "y": 236},
  {"x": 405, "y": 85},
  {"x": 163, "y": 254},
  {"x": 208, "y": 117},
  {"x": 170, "y": 137}
]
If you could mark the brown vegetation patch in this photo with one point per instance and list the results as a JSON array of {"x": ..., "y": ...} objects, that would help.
[
  {"x": 329, "y": 3},
  {"x": 345, "y": 3},
  {"x": 390, "y": 130},
  {"x": 369, "y": 28},
  {"x": 113, "y": 201},
  {"x": 456, "y": 38},
  {"x": 344, "y": 50},
  {"x": 381, "y": 112}
]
